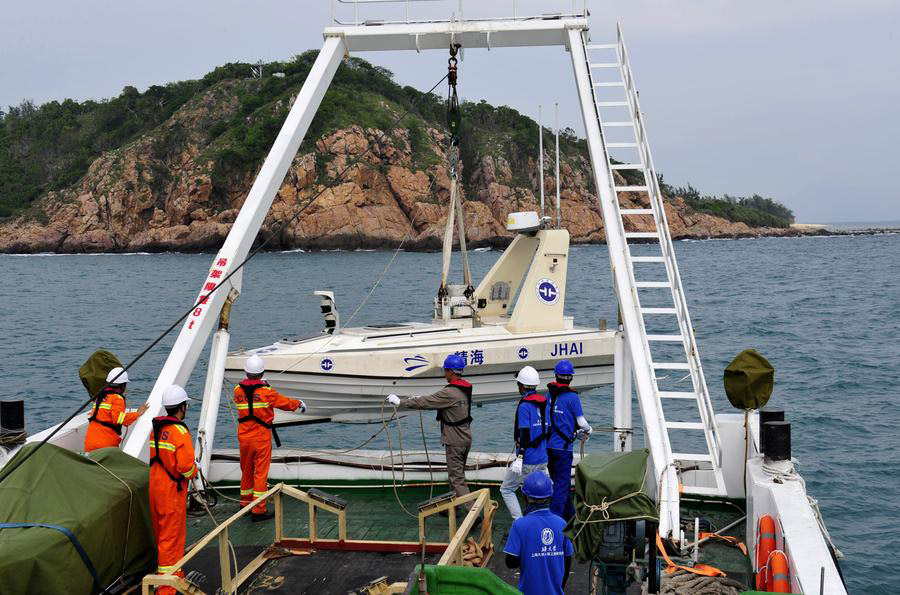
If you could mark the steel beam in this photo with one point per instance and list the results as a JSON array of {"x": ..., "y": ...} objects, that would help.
[
  {"x": 200, "y": 323},
  {"x": 469, "y": 34},
  {"x": 654, "y": 429}
]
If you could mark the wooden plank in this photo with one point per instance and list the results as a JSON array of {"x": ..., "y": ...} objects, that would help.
[
  {"x": 342, "y": 525},
  {"x": 279, "y": 517},
  {"x": 223, "y": 526},
  {"x": 451, "y": 522},
  {"x": 452, "y": 551},
  {"x": 249, "y": 569},
  {"x": 225, "y": 562},
  {"x": 303, "y": 496},
  {"x": 359, "y": 545}
]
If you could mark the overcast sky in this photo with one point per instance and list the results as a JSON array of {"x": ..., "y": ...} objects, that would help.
[{"x": 793, "y": 99}]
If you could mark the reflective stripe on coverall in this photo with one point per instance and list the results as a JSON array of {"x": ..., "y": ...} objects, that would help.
[
  {"x": 255, "y": 439},
  {"x": 111, "y": 411},
  {"x": 168, "y": 504}
]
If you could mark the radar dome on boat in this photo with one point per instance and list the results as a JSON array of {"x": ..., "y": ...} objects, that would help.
[{"x": 523, "y": 222}]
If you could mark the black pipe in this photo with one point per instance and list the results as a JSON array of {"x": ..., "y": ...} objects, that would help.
[
  {"x": 764, "y": 416},
  {"x": 778, "y": 440}
]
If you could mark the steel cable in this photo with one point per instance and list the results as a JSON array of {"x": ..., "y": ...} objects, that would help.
[{"x": 7, "y": 471}]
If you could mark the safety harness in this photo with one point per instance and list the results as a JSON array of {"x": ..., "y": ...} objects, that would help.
[
  {"x": 466, "y": 388},
  {"x": 249, "y": 389},
  {"x": 539, "y": 402},
  {"x": 158, "y": 424},
  {"x": 556, "y": 390},
  {"x": 117, "y": 428}
]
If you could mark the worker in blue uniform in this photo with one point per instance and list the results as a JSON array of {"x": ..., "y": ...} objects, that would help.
[
  {"x": 565, "y": 414},
  {"x": 537, "y": 544},
  {"x": 530, "y": 436}
]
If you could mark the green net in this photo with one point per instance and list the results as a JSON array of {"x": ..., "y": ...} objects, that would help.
[
  {"x": 93, "y": 372},
  {"x": 84, "y": 516},
  {"x": 609, "y": 487},
  {"x": 749, "y": 380},
  {"x": 460, "y": 580}
]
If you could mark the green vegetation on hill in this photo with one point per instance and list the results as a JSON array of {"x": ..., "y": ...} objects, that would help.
[
  {"x": 50, "y": 147},
  {"x": 755, "y": 211}
]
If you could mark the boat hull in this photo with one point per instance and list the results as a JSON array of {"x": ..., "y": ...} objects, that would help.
[{"x": 348, "y": 380}]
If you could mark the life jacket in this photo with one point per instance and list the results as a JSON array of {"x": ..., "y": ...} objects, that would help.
[
  {"x": 556, "y": 389},
  {"x": 540, "y": 403},
  {"x": 466, "y": 388},
  {"x": 249, "y": 389},
  {"x": 117, "y": 428},
  {"x": 158, "y": 424}
]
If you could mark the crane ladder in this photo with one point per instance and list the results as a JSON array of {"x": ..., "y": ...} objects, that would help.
[{"x": 649, "y": 251}]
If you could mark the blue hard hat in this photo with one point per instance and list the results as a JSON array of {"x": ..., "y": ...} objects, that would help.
[
  {"x": 564, "y": 368},
  {"x": 454, "y": 362},
  {"x": 538, "y": 485}
]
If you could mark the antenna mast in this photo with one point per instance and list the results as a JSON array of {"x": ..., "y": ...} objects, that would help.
[
  {"x": 541, "y": 156},
  {"x": 556, "y": 124}
]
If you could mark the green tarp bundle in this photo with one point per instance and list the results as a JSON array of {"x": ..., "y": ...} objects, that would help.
[
  {"x": 460, "y": 580},
  {"x": 749, "y": 380},
  {"x": 609, "y": 487},
  {"x": 93, "y": 371},
  {"x": 88, "y": 511}
]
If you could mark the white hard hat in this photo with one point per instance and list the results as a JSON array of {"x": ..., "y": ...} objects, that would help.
[
  {"x": 528, "y": 376},
  {"x": 254, "y": 365},
  {"x": 174, "y": 395},
  {"x": 111, "y": 378}
]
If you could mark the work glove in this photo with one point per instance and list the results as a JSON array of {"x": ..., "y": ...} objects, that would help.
[
  {"x": 302, "y": 407},
  {"x": 516, "y": 466},
  {"x": 393, "y": 400}
]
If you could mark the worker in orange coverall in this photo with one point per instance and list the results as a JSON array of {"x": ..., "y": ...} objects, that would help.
[
  {"x": 172, "y": 467},
  {"x": 108, "y": 414},
  {"x": 256, "y": 402}
]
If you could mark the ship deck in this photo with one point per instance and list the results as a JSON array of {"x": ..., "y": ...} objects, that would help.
[{"x": 374, "y": 514}]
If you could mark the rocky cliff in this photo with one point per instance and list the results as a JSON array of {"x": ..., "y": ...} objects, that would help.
[{"x": 163, "y": 191}]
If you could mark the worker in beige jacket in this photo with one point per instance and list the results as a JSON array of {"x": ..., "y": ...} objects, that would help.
[{"x": 454, "y": 410}]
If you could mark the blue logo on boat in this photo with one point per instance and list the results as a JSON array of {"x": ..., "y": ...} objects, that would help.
[
  {"x": 415, "y": 362},
  {"x": 548, "y": 291},
  {"x": 523, "y": 353},
  {"x": 326, "y": 364}
]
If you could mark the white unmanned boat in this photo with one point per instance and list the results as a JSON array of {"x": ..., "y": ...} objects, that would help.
[
  {"x": 514, "y": 317},
  {"x": 696, "y": 457}
]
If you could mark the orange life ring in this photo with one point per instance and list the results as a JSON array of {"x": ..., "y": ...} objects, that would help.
[
  {"x": 765, "y": 545},
  {"x": 778, "y": 575}
]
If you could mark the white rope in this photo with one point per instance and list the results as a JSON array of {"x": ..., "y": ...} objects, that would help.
[
  {"x": 786, "y": 472},
  {"x": 412, "y": 223}
]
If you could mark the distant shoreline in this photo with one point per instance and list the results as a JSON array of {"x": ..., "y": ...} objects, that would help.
[{"x": 813, "y": 231}]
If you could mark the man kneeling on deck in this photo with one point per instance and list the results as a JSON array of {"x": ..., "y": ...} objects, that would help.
[
  {"x": 256, "y": 401},
  {"x": 536, "y": 544},
  {"x": 454, "y": 410}
]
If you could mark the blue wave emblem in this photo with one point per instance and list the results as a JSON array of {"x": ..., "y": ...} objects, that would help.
[{"x": 414, "y": 363}]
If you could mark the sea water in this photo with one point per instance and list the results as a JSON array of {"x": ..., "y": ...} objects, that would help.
[{"x": 825, "y": 311}]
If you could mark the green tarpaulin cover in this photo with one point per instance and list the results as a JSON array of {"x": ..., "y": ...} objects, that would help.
[
  {"x": 609, "y": 487},
  {"x": 460, "y": 580},
  {"x": 749, "y": 379},
  {"x": 93, "y": 372},
  {"x": 101, "y": 499}
]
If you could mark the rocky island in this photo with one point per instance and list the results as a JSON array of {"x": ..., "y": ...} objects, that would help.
[{"x": 168, "y": 170}]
